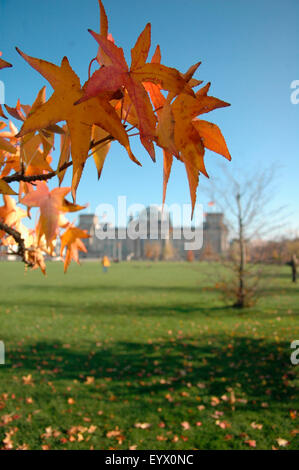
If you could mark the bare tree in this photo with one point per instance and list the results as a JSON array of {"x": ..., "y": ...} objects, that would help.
[{"x": 246, "y": 200}]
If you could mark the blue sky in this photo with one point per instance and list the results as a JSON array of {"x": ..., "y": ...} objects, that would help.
[{"x": 249, "y": 51}]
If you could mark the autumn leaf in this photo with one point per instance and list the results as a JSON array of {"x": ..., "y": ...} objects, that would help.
[
  {"x": 80, "y": 119},
  {"x": 185, "y": 425},
  {"x": 142, "y": 425},
  {"x": 167, "y": 165},
  {"x": 50, "y": 204},
  {"x": 211, "y": 137},
  {"x": 34, "y": 159},
  {"x": 7, "y": 147},
  {"x": 68, "y": 206},
  {"x": 282, "y": 442},
  {"x": 2, "y": 113},
  {"x": 250, "y": 442},
  {"x": 5, "y": 188},
  {"x": 16, "y": 112},
  {"x": 35, "y": 256},
  {"x": 10, "y": 214},
  {"x": 256, "y": 425},
  {"x": 71, "y": 239},
  {"x": 180, "y": 134},
  {"x": 3, "y": 63},
  {"x": 101, "y": 149},
  {"x": 222, "y": 424},
  {"x": 116, "y": 74},
  {"x": 113, "y": 77}
]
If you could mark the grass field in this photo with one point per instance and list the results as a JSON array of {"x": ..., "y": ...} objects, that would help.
[{"x": 145, "y": 357}]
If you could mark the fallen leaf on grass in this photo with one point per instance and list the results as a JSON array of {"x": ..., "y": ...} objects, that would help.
[
  {"x": 185, "y": 425},
  {"x": 250, "y": 442},
  {"x": 282, "y": 442},
  {"x": 256, "y": 425},
  {"x": 142, "y": 425}
]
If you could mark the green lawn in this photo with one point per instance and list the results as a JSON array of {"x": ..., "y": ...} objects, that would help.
[{"x": 148, "y": 357}]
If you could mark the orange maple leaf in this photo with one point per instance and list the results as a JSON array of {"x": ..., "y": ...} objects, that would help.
[
  {"x": 80, "y": 119},
  {"x": 181, "y": 134},
  {"x": 71, "y": 239},
  {"x": 10, "y": 214},
  {"x": 116, "y": 74},
  {"x": 50, "y": 204}
]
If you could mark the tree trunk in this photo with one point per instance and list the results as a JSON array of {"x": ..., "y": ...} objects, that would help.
[{"x": 240, "y": 301}]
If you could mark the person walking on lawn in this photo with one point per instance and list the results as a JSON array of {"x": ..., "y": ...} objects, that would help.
[{"x": 105, "y": 263}]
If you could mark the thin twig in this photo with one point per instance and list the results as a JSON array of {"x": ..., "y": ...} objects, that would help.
[{"x": 18, "y": 177}]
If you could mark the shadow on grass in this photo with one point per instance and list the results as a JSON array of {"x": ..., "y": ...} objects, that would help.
[
  {"x": 259, "y": 371},
  {"x": 62, "y": 297},
  {"x": 110, "y": 287},
  {"x": 100, "y": 309}
]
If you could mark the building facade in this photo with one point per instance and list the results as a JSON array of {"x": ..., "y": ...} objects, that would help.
[{"x": 152, "y": 236}]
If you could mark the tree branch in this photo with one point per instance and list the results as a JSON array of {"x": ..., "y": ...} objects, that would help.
[
  {"x": 19, "y": 240},
  {"x": 18, "y": 177}
]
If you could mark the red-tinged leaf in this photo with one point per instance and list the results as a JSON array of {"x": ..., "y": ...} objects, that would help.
[
  {"x": 140, "y": 51},
  {"x": 212, "y": 137},
  {"x": 146, "y": 116},
  {"x": 116, "y": 54},
  {"x": 103, "y": 20},
  {"x": 102, "y": 58},
  {"x": 251, "y": 442},
  {"x": 126, "y": 110},
  {"x": 15, "y": 112},
  {"x": 102, "y": 80}
]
